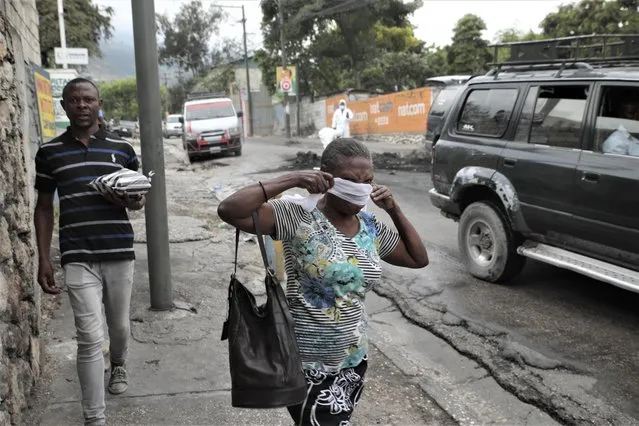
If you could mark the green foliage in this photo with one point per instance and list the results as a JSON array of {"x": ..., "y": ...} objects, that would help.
[
  {"x": 468, "y": 53},
  {"x": 185, "y": 39},
  {"x": 436, "y": 61},
  {"x": 340, "y": 44},
  {"x": 512, "y": 35},
  {"x": 177, "y": 95},
  {"x": 593, "y": 17},
  {"x": 86, "y": 25},
  {"x": 120, "y": 99}
]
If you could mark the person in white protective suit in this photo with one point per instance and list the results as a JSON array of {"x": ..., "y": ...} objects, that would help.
[{"x": 341, "y": 119}]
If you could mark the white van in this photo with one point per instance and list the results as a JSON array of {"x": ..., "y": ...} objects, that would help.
[{"x": 211, "y": 126}]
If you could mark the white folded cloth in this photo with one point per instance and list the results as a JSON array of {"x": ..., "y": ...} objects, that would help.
[{"x": 122, "y": 182}]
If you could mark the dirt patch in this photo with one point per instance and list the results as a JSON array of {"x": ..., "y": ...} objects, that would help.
[
  {"x": 414, "y": 161},
  {"x": 417, "y": 160}
]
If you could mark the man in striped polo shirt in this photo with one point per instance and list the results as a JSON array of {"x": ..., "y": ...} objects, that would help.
[{"x": 96, "y": 239}]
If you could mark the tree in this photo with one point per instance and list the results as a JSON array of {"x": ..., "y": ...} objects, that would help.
[
  {"x": 469, "y": 53},
  {"x": 185, "y": 39},
  {"x": 512, "y": 35},
  {"x": 335, "y": 42},
  {"x": 120, "y": 99},
  {"x": 176, "y": 94},
  {"x": 86, "y": 26},
  {"x": 219, "y": 78},
  {"x": 436, "y": 59},
  {"x": 593, "y": 17}
]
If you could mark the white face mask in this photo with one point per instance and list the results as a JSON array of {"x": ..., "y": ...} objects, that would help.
[
  {"x": 355, "y": 193},
  {"x": 342, "y": 107}
]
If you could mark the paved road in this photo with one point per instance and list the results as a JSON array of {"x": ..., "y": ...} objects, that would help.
[
  {"x": 554, "y": 338},
  {"x": 554, "y": 319}
]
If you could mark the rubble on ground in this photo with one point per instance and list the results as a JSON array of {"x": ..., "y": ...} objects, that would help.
[{"x": 417, "y": 160}]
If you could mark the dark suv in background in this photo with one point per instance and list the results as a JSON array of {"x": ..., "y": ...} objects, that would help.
[
  {"x": 444, "y": 92},
  {"x": 540, "y": 159}
]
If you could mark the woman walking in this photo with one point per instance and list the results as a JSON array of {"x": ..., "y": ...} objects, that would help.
[{"x": 333, "y": 252}]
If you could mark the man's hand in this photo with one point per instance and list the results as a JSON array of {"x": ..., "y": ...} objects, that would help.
[
  {"x": 46, "y": 278},
  {"x": 133, "y": 202}
]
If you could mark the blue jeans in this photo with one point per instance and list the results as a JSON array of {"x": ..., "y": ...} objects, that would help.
[{"x": 89, "y": 286}]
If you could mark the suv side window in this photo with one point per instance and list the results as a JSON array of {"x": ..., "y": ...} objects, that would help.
[
  {"x": 617, "y": 124},
  {"x": 526, "y": 118},
  {"x": 558, "y": 115},
  {"x": 487, "y": 112}
]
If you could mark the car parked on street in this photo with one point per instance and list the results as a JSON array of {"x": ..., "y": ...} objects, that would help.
[
  {"x": 125, "y": 128},
  {"x": 172, "y": 126},
  {"x": 540, "y": 159},
  {"x": 211, "y": 126}
]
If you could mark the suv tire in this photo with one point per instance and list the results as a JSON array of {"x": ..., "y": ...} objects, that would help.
[{"x": 487, "y": 243}]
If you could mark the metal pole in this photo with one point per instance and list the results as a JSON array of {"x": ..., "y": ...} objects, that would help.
[
  {"x": 148, "y": 82},
  {"x": 287, "y": 111},
  {"x": 297, "y": 100},
  {"x": 63, "y": 34},
  {"x": 249, "y": 97}
]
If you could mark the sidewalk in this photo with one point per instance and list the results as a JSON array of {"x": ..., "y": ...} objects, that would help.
[{"x": 179, "y": 367}]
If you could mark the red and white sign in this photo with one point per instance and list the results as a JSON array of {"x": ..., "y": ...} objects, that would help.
[{"x": 285, "y": 85}]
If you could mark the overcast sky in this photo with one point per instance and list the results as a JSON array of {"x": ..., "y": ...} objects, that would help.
[{"x": 434, "y": 21}]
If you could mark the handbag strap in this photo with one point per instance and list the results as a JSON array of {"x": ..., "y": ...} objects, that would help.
[
  {"x": 237, "y": 247},
  {"x": 260, "y": 241}
]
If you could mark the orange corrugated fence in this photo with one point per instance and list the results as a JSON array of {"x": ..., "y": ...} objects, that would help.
[{"x": 403, "y": 112}]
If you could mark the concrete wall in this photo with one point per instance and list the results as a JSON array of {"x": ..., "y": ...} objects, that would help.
[{"x": 20, "y": 320}]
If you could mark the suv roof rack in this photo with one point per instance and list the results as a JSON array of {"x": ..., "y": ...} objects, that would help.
[
  {"x": 205, "y": 95},
  {"x": 578, "y": 52}
]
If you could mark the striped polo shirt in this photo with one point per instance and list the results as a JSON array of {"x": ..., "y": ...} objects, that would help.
[{"x": 92, "y": 229}]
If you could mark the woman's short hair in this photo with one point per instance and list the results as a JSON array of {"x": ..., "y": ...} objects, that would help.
[{"x": 341, "y": 149}]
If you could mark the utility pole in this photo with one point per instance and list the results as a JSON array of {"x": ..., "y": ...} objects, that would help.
[
  {"x": 148, "y": 82},
  {"x": 287, "y": 112},
  {"x": 297, "y": 100},
  {"x": 63, "y": 34},
  {"x": 249, "y": 97}
]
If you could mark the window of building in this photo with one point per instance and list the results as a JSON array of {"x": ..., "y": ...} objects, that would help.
[
  {"x": 487, "y": 112},
  {"x": 617, "y": 124},
  {"x": 559, "y": 116}
]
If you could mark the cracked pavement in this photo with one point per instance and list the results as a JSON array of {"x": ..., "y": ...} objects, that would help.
[{"x": 447, "y": 349}]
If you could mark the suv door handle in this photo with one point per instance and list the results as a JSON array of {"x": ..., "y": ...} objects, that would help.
[
  {"x": 590, "y": 177},
  {"x": 510, "y": 162}
]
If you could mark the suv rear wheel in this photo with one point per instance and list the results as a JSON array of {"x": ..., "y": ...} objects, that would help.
[{"x": 487, "y": 244}]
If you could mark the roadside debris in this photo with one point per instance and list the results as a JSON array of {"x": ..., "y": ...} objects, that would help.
[{"x": 417, "y": 160}]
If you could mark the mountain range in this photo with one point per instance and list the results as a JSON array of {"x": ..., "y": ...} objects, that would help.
[{"x": 118, "y": 61}]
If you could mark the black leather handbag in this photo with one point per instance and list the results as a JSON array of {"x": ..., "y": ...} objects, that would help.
[{"x": 266, "y": 370}]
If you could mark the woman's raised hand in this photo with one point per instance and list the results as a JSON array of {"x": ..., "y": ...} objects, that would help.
[{"x": 314, "y": 181}]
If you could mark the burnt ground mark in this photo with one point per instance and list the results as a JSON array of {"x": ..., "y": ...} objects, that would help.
[{"x": 413, "y": 161}]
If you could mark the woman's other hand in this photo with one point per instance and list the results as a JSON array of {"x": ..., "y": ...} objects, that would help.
[
  {"x": 314, "y": 181},
  {"x": 383, "y": 197}
]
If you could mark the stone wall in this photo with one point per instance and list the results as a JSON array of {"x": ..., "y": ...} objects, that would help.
[{"x": 20, "y": 320}]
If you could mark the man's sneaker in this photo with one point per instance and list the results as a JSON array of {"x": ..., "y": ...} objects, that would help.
[{"x": 118, "y": 383}]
